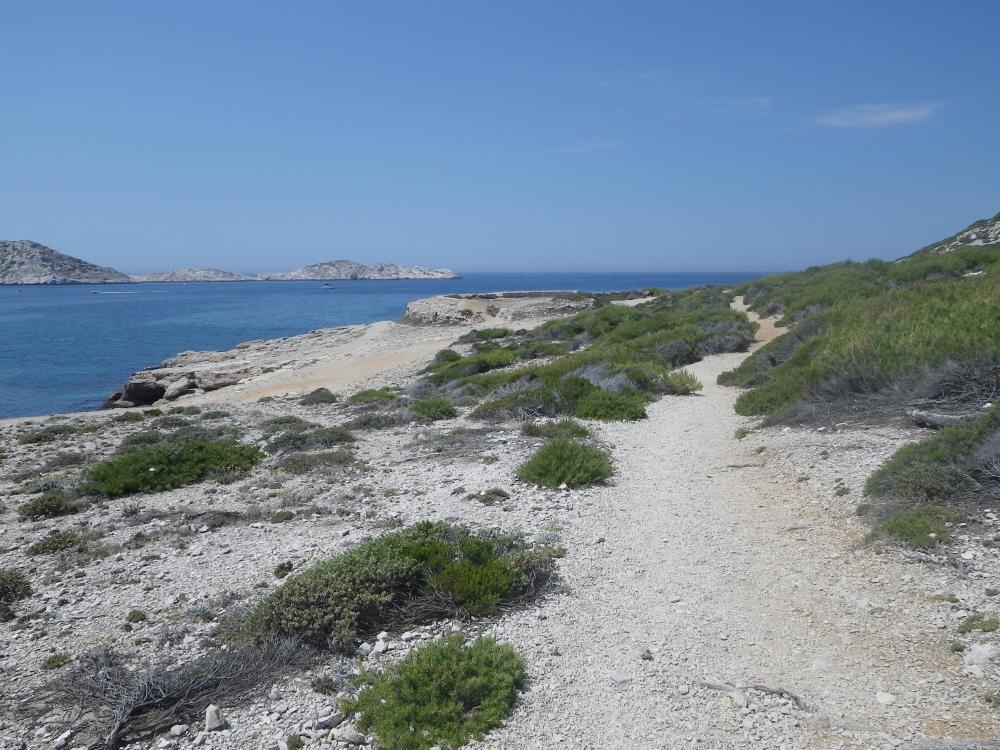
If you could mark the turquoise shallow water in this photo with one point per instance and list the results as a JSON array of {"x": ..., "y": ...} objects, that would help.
[{"x": 65, "y": 348}]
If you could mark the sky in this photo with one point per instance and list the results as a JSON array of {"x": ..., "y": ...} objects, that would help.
[{"x": 496, "y": 136}]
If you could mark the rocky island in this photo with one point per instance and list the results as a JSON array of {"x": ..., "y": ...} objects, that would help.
[
  {"x": 193, "y": 274},
  {"x": 27, "y": 262},
  {"x": 335, "y": 270}
]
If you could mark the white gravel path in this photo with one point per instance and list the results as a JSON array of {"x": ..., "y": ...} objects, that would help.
[{"x": 728, "y": 572}]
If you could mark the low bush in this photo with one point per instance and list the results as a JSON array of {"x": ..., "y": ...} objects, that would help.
[
  {"x": 136, "y": 616},
  {"x": 215, "y": 414},
  {"x": 283, "y": 516},
  {"x": 186, "y": 410},
  {"x": 286, "y": 422},
  {"x": 373, "y": 396},
  {"x": 14, "y": 585},
  {"x": 54, "y": 432},
  {"x": 424, "y": 572},
  {"x": 170, "y": 422},
  {"x": 310, "y": 440},
  {"x": 55, "y": 661},
  {"x": 166, "y": 467},
  {"x": 562, "y": 461},
  {"x": 682, "y": 383},
  {"x": 598, "y": 404},
  {"x": 319, "y": 396},
  {"x": 433, "y": 410},
  {"x": 303, "y": 463},
  {"x": 941, "y": 467},
  {"x": 124, "y": 705},
  {"x": 127, "y": 417},
  {"x": 50, "y": 504},
  {"x": 377, "y": 420},
  {"x": 489, "y": 334},
  {"x": 564, "y": 428},
  {"x": 60, "y": 541},
  {"x": 923, "y": 526},
  {"x": 443, "y": 694}
]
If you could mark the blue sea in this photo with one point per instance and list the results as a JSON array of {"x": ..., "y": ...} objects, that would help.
[{"x": 65, "y": 348}]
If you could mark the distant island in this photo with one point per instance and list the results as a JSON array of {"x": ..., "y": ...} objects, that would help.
[
  {"x": 27, "y": 262},
  {"x": 349, "y": 269},
  {"x": 193, "y": 274}
]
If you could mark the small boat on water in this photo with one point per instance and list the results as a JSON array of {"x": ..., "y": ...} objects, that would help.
[{"x": 329, "y": 286}]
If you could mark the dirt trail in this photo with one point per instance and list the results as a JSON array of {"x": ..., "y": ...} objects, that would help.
[{"x": 727, "y": 571}]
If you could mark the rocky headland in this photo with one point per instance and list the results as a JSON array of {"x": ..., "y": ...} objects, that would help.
[{"x": 26, "y": 262}]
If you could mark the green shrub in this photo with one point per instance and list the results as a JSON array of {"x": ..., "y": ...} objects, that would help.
[
  {"x": 373, "y": 396},
  {"x": 55, "y": 432},
  {"x": 282, "y": 516},
  {"x": 488, "y": 334},
  {"x": 286, "y": 423},
  {"x": 56, "y": 661},
  {"x": 186, "y": 410},
  {"x": 433, "y": 409},
  {"x": 283, "y": 569},
  {"x": 60, "y": 541},
  {"x": 303, "y": 463},
  {"x": 50, "y": 504},
  {"x": 444, "y": 357},
  {"x": 424, "y": 572},
  {"x": 563, "y": 461},
  {"x": 170, "y": 422},
  {"x": 136, "y": 616},
  {"x": 14, "y": 585},
  {"x": 598, "y": 404},
  {"x": 324, "y": 685},
  {"x": 215, "y": 414},
  {"x": 376, "y": 420},
  {"x": 319, "y": 396},
  {"x": 682, "y": 383},
  {"x": 923, "y": 526},
  {"x": 443, "y": 694},
  {"x": 167, "y": 467},
  {"x": 936, "y": 469},
  {"x": 564, "y": 428},
  {"x": 127, "y": 417},
  {"x": 310, "y": 440},
  {"x": 980, "y": 622},
  {"x": 294, "y": 742},
  {"x": 474, "y": 364}
]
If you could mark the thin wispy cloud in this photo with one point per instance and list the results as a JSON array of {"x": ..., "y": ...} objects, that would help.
[
  {"x": 878, "y": 115},
  {"x": 589, "y": 147}
]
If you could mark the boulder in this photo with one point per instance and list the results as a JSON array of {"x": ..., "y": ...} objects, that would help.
[
  {"x": 142, "y": 389},
  {"x": 213, "y": 381},
  {"x": 214, "y": 720},
  {"x": 179, "y": 387}
]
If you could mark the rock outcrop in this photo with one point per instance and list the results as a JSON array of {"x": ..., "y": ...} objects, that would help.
[
  {"x": 503, "y": 307},
  {"x": 352, "y": 270},
  {"x": 193, "y": 274},
  {"x": 26, "y": 262}
]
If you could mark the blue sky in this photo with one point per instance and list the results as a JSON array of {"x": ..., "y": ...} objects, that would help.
[{"x": 531, "y": 136}]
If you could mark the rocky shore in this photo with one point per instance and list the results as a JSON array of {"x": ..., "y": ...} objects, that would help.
[{"x": 338, "y": 356}]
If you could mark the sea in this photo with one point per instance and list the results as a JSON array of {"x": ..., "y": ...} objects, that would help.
[{"x": 66, "y": 348}]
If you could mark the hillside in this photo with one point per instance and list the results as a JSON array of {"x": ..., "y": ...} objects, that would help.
[
  {"x": 26, "y": 262},
  {"x": 909, "y": 343},
  {"x": 193, "y": 274},
  {"x": 352, "y": 270}
]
